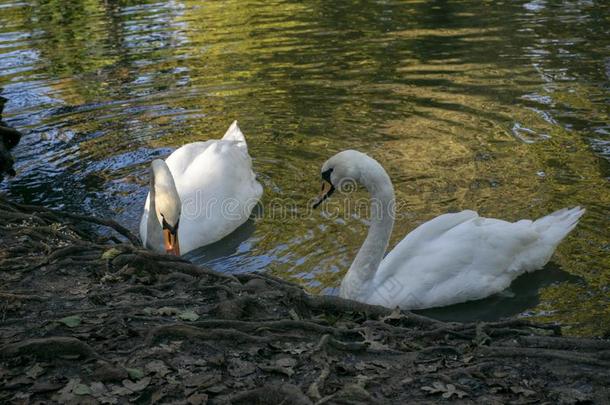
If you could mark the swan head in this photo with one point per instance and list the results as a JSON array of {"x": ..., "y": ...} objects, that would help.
[
  {"x": 340, "y": 170},
  {"x": 167, "y": 204}
]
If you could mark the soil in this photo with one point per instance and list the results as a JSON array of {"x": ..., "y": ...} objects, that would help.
[{"x": 89, "y": 319}]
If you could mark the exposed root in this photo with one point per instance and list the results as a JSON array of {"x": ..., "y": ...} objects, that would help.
[
  {"x": 270, "y": 394},
  {"x": 21, "y": 297},
  {"x": 191, "y": 332},
  {"x": 170, "y": 331},
  {"x": 49, "y": 348},
  {"x": 564, "y": 343},
  {"x": 548, "y": 354}
]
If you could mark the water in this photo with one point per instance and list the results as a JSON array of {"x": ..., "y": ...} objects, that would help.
[{"x": 501, "y": 107}]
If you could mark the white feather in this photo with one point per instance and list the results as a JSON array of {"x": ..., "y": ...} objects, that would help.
[{"x": 217, "y": 190}]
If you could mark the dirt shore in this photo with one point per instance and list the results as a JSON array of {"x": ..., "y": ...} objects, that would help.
[{"x": 92, "y": 319}]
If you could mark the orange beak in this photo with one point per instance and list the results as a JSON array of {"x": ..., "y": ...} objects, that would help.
[
  {"x": 170, "y": 240},
  {"x": 327, "y": 190}
]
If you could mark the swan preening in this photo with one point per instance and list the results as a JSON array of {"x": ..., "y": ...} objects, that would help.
[
  {"x": 451, "y": 259},
  {"x": 201, "y": 193}
]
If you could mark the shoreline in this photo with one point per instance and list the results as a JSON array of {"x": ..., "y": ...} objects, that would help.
[{"x": 91, "y": 319}]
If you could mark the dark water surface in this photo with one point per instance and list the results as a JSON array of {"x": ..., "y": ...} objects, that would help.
[{"x": 501, "y": 107}]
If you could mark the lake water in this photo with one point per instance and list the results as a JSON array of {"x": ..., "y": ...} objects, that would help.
[{"x": 501, "y": 107}]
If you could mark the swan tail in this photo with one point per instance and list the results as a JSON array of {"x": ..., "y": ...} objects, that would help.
[
  {"x": 234, "y": 134},
  {"x": 552, "y": 229},
  {"x": 556, "y": 226}
]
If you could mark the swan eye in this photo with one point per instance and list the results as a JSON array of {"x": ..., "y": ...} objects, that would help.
[{"x": 326, "y": 175}]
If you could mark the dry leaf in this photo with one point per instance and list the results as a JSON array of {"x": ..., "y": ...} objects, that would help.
[{"x": 137, "y": 386}]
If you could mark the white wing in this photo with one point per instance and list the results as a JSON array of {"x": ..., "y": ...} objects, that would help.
[{"x": 460, "y": 257}]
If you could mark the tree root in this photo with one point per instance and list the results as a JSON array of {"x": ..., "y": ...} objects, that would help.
[
  {"x": 564, "y": 343},
  {"x": 21, "y": 297},
  {"x": 317, "y": 386},
  {"x": 285, "y": 325},
  {"x": 496, "y": 351},
  {"x": 328, "y": 341},
  {"x": 191, "y": 332},
  {"x": 270, "y": 394},
  {"x": 245, "y": 328},
  {"x": 49, "y": 348},
  {"x": 62, "y": 216}
]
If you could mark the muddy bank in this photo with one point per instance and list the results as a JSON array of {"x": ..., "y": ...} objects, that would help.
[{"x": 91, "y": 319}]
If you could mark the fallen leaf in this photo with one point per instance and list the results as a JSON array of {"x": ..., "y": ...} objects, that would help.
[
  {"x": 70, "y": 321},
  {"x": 65, "y": 394},
  {"x": 240, "y": 368},
  {"x": 97, "y": 389},
  {"x": 149, "y": 311},
  {"x": 520, "y": 390},
  {"x": 158, "y": 367},
  {"x": 81, "y": 389},
  {"x": 157, "y": 396},
  {"x": 135, "y": 373},
  {"x": 451, "y": 390},
  {"x": 297, "y": 350},
  {"x": 136, "y": 386},
  {"x": 447, "y": 390},
  {"x": 208, "y": 380},
  {"x": 120, "y": 390},
  {"x": 35, "y": 371},
  {"x": 167, "y": 311},
  {"x": 188, "y": 315},
  {"x": 197, "y": 399},
  {"x": 436, "y": 387},
  {"x": 284, "y": 366},
  {"x": 200, "y": 380},
  {"x": 111, "y": 254}
]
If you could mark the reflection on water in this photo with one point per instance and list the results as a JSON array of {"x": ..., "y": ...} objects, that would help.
[
  {"x": 519, "y": 298},
  {"x": 500, "y": 107}
]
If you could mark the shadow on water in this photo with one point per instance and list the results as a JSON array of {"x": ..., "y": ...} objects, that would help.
[
  {"x": 522, "y": 295},
  {"x": 214, "y": 256}
]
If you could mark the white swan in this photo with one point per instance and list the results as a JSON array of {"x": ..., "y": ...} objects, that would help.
[
  {"x": 201, "y": 193},
  {"x": 451, "y": 259}
]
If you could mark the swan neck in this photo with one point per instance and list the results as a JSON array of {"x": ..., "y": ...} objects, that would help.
[
  {"x": 370, "y": 255},
  {"x": 153, "y": 229}
]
